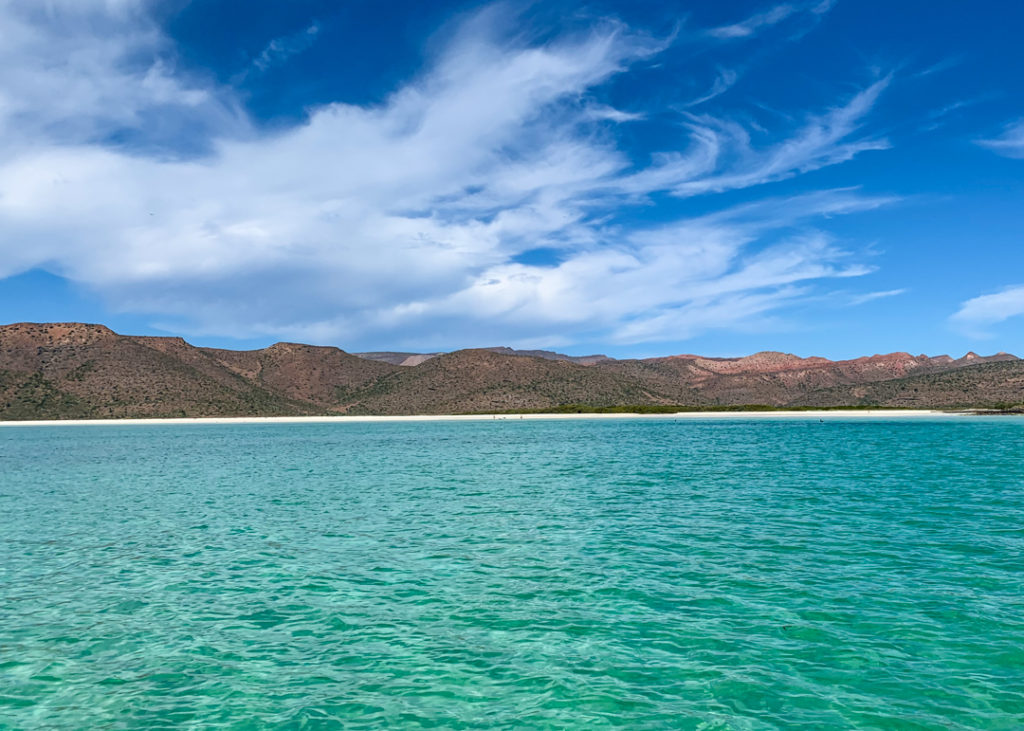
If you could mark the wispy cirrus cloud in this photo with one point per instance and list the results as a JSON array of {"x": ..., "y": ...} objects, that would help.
[
  {"x": 1008, "y": 144},
  {"x": 279, "y": 50},
  {"x": 655, "y": 282},
  {"x": 773, "y": 16},
  {"x": 722, "y": 157},
  {"x": 405, "y": 222},
  {"x": 750, "y": 26},
  {"x": 862, "y": 299},
  {"x": 940, "y": 66},
  {"x": 976, "y": 316},
  {"x": 724, "y": 81},
  {"x": 938, "y": 117}
]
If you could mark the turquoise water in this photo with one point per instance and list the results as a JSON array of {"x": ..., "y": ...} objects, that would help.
[{"x": 514, "y": 574}]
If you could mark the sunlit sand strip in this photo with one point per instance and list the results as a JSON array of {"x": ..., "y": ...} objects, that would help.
[{"x": 683, "y": 415}]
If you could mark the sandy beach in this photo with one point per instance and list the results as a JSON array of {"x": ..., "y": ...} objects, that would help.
[{"x": 687, "y": 415}]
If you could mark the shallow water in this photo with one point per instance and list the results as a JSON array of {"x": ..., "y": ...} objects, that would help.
[{"x": 528, "y": 574}]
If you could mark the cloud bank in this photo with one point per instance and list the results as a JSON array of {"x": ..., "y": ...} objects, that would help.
[{"x": 406, "y": 222}]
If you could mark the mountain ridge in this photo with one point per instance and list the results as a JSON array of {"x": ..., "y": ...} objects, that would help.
[{"x": 80, "y": 370}]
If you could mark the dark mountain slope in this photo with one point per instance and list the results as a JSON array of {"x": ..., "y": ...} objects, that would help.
[
  {"x": 779, "y": 378},
  {"x": 988, "y": 385},
  {"x": 414, "y": 359},
  {"x": 485, "y": 381},
  {"x": 73, "y": 370},
  {"x": 322, "y": 376}
]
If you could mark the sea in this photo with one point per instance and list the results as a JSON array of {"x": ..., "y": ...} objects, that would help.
[{"x": 748, "y": 574}]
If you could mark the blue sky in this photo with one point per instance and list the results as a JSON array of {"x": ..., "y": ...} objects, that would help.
[{"x": 825, "y": 178}]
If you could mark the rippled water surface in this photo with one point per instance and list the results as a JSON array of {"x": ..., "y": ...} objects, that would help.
[{"x": 514, "y": 574}]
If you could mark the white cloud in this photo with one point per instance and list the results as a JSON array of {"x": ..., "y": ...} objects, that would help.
[
  {"x": 976, "y": 315},
  {"x": 721, "y": 156},
  {"x": 756, "y": 22},
  {"x": 938, "y": 67},
  {"x": 81, "y": 72},
  {"x": 604, "y": 113},
  {"x": 1010, "y": 143},
  {"x": 279, "y": 50},
  {"x": 824, "y": 140},
  {"x": 722, "y": 83},
  {"x": 401, "y": 222},
  {"x": 861, "y": 299}
]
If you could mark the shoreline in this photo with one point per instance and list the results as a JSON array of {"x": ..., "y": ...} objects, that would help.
[{"x": 832, "y": 414}]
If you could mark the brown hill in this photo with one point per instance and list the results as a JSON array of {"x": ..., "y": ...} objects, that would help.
[
  {"x": 995, "y": 384},
  {"x": 552, "y": 355},
  {"x": 485, "y": 381},
  {"x": 414, "y": 359},
  {"x": 67, "y": 370},
  {"x": 781, "y": 378},
  {"x": 320, "y": 376},
  {"x": 397, "y": 358}
]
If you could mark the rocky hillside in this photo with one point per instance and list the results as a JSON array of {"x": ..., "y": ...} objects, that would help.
[
  {"x": 484, "y": 381},
  {"x": 399, "y": 359},
  {"x": 414, "y": 359},
  {"x": 780, "y": 379},
  {"x": 72, "y": 370},
  {"x": 990, "y": 385}
]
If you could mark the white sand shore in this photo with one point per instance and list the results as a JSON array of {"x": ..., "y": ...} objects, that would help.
[{"x": 836, "y": 415}]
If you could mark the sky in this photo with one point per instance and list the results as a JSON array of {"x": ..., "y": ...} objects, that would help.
[{"x": 829, "y": 177}]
